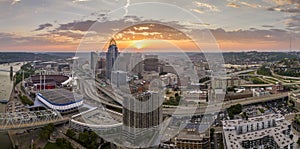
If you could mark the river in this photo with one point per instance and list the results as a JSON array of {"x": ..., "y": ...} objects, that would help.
[{"x": 6, "y": 86}]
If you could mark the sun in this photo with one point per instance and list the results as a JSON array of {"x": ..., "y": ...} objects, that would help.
[{"x": 139, "y": 44}]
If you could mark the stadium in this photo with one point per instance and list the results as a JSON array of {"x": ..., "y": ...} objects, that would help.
[
  {"x": 48, "y": 81},
  {"x": 61, "y": 100}
]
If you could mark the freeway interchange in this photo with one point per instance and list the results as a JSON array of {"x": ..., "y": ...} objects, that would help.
[{"x": 89, "y": 87}]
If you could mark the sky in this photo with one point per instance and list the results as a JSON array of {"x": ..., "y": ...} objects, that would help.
[{"x": 190, "y": 25}]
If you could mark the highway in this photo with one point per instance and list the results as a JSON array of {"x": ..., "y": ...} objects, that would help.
[
  {"x": 220, "y": 107},
  {"x": 89, "y": 90}
]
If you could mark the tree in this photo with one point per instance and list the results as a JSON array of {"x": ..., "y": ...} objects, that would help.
[
  {"x": 89, "y": 139},
  {"x": 46, "y": 131},
  {"x": 176, "y": 94},
  {"x": 298, "y": 142},
  {"x": 70, "y": 133},
  {"x": 84, "y": 137},
  {"x": 233, "y": 110},
  {"x": 63, "y": 143},
  {"x": 168, "y": 91}
]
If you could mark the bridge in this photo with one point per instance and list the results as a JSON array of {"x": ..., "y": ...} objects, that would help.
[{"x": 32, "y": 119}]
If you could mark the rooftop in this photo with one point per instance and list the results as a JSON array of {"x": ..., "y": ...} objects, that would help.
[
  {"x": 234, "y": 140},
  {"x": 60, "y": 96},
  {"x": 99, "y": 117}
]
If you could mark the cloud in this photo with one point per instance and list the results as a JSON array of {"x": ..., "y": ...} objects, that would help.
[
  {"x": 206, "y": 6},
  {"x": 76, "y": 1},
  {"x": 10, "y": 41},
  {"x": 284, "y": 2},
  {"x": 197, "y": 11},
  {"x": 239, "y": 4},
  {"x": 233, "y": 5},
  {"x": 150, "y": 31},
  {"x": 77, "y": 25},
  {"x": 254, "y": 39},
  {"x": 285, "y": 8},
  {"x": 251, "y": 5},
  {"x": 293, "y": 23},
  {"x": 251, "y": 35},
  {"x": 268, "y": 26},
  {"x": 43, "y": 26},
  {"x": 289, "y": 6},
  {"x": 15, "y": 2}
]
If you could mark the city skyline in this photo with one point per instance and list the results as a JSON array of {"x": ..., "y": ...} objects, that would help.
[{"x": 236, "y": 25}]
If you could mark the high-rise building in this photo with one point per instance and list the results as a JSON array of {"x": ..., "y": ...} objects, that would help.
[
  {"x": 136, "y": 63},
  {"x": 142, "y": 115},
  {"x": 151, "y": 63},
  {"x": 111, "y": 57},
  {"x": 191, "y": 138},
  {"x": 94, "y": 59},
  {"x": 119, "y": 78}
]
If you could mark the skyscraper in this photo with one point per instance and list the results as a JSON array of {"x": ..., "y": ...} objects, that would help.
[
  {"x": 94, "y": 59},
  {"x": 111, "y": 57},
  {"x": 142, "y": 116}
]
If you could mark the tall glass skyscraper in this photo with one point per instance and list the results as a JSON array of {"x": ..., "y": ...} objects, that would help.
[{"x": 111, "y": 57}]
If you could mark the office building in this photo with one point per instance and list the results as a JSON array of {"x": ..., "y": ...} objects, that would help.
[
  {"x": 94, "y": 59},
  {"x": 151, "y": 63},
  {"x": 111, "y": 57},
  {"x": 142, "y": 115}
]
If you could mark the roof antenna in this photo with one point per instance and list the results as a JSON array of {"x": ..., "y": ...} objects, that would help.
[{"x": 290, "y": 44}]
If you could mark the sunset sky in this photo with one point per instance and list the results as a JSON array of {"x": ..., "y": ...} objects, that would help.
[{"x": 68, "y": 25}]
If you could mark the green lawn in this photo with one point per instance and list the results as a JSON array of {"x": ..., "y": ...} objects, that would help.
[{"x": 51, "y": 146}]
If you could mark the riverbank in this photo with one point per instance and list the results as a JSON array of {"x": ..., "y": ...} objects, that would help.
[{"x": 6, "y": 86}]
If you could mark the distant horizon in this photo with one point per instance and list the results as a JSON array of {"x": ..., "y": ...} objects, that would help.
[
  {"x": 231, "y": 25},
  {"x": 150, "y": 52}
]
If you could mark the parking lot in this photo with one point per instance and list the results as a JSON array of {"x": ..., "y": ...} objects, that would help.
[{"x": 15, "y": 105}]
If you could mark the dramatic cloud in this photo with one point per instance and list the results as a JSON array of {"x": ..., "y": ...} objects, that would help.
[
  {"x": 252, "y": 5},
  {"x": 150, "y": 31},
  {"x": 43, "y": 26},
  {"x": 233, "y": 5},
  {"x": 285, "y": 8},
  {"x": 17, "y": 42},
  {"x": 290, "y": 6},
  {"x": 15, "y": 2},
  {"x": 283, "y": 2},
  {"x": 268, "y": 26},
  {"x": 272, "y": 39},
  {"x": 77, "y": 25},
  {"x": 251, "y": 35},
  {"x": 293, "y": 23},
  {"x": 197, "y": 10},
  {"x": 239, "y": 4},
  {"x": 206, "y": 7}
]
